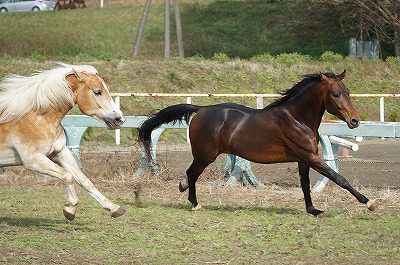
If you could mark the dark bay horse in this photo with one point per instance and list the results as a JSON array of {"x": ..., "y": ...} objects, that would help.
[{"x": 284, "y": 131}]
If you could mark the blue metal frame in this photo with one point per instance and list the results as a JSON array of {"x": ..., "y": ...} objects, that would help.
[{"x": 236, "y": 168}]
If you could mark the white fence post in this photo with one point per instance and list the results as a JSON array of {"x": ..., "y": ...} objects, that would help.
[
  {"x": 117, "y": 131},
  {"x": 381, "y": 109},
  {"x": 260, "y": 102},
  {"x": 188, "y": 101}
]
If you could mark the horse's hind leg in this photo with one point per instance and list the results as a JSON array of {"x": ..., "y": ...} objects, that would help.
[
  {"x": 193, "y": 173},
  {"x": 304, "y": 172}
]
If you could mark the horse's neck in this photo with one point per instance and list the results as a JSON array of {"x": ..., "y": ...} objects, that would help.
[
  {"x": 308, "y": 108},
  {"x": 54, "y": 116}
]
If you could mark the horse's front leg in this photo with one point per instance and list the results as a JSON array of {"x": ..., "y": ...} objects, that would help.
[
  {"x": 67, "y": 161},
  {"x": 304, "y": 172},
  {"x": 321, "y": 167},
  {"x": 40, "y": 163}
]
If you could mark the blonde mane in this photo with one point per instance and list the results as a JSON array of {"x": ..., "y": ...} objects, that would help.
[{"x": 39, "y": 92}]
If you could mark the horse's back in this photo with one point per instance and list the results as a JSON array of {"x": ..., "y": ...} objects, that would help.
[{"x": 214, "y": 116}]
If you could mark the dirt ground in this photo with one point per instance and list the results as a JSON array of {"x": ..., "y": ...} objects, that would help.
[{"x": 375, "y": 164}]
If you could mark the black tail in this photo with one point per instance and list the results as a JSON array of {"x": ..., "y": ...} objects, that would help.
[{"x": 172, "y": 113}]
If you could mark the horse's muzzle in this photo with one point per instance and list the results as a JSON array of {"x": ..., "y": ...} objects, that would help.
[
  {"x": 115, "y": 123},
  {"x": 354, "y": 123}
]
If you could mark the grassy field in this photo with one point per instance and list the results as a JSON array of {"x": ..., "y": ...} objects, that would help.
[
  {"x": 237, "y": 226},
  {"x": 264, "y": 75},
  {"x": 239, "y": 29}
]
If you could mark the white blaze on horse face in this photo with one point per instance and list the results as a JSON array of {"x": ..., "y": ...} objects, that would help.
[
  {"x": 110, "y": 113},
  {"x": 93, "y": 99},
  {"x": 112, "y": 103}
]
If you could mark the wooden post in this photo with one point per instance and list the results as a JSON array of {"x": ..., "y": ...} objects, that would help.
[
  {"x": 167, "y": 34},
  {"x": 178, "y": 29},
  {"x": 139, "y": 34}
]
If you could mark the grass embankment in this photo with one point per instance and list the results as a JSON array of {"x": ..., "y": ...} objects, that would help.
[{"x": 263, "y": 74}]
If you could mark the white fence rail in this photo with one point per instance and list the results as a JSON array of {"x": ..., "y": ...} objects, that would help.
[{"x": 259, "y": 100}]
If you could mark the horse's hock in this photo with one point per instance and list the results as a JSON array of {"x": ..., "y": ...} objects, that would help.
[{"x": 69, "y": 4}]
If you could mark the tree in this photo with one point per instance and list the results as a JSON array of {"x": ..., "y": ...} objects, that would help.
[{"x": 380, "y": 17}]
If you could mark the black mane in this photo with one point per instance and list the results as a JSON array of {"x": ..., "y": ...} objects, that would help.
[{"x": 297, "y": 88}]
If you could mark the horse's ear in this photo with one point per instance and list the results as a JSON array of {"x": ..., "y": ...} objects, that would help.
[
  {"x": 324, "y": 78},
  {"x": 342, "y": 75},
  {"x": 78, "y": 75}
]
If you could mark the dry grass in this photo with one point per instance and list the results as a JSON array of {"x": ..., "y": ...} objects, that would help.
[
  {"x": 239, "y": 225},
  {"x": 214, "y": 193},
  {"x": 112, "y": 169}
]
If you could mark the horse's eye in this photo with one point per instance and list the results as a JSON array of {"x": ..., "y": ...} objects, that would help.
[
  {"x": 336, "y": 95},
  {"x": 97, "y": 92}
]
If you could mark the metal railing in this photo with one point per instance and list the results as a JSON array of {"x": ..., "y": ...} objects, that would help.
[{"x": 259, "y": 100}]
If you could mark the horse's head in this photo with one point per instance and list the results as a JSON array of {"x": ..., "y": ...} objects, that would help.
[
  {"x": 337, "y": 100},
  {"x": 93, "y": 98}
]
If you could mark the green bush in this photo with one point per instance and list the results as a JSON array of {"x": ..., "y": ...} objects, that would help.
[
  {"x": 394, "y": 117},
  {"x": 262, "y": 58},
  {"x": 37, "y": 57},
  {"x": 88, "y": 134},
  {"x": 363, "y": 116},
  {"x": 329, "y": 56},
  {"x": 220, "y": 57},
  {"x": 393, "y": 61},
  {"x": 290, "y": 59}
]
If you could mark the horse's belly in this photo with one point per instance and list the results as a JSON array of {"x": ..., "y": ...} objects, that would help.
[
  {"x": 265, "y": 150},
  {"x": 266, "y": 155},
  {"x": 9, "y": 157}
]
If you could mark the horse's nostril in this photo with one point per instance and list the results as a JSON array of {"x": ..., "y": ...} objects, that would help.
[
  {"x": 355, "y": 122},
  {"x": 119, "y": 121}
]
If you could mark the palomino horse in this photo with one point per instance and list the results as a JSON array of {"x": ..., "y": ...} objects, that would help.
[
  {"x": 284, "y": 131},
  {"x": 31, "y": 110}
]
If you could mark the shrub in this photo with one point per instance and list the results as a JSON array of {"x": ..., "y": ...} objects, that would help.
[
  {"x": 88, "y": 134},
  {"x": 220, "y": 57},
  {"x": 394, "y": 117},
  {"x": 290, "y": 59},
  {"x": 393, "y": 61},
  {"x": 363, "y": 116},
  {"x": 262, "y": 58},
  {"x": 36, "y": 57},
  {"x": 329, "y": 56},
  {"x": 197, "y": 57}
]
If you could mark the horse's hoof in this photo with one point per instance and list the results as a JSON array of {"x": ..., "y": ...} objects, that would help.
[
  {"x": 315, "y": 212},
  {"x": 68, "y": 215},
  {"x": 197, "y": 207},
  {"x": 183, "y": 186},
  {"x": 373, "y": 204},
  {"x": 321, "y": 215},
  {"x": 120, "y": 211}
]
